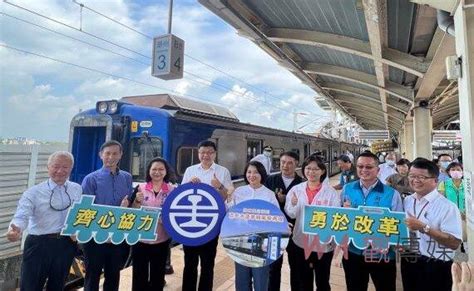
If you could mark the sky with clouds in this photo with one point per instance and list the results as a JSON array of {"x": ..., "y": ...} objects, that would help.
[{"x": 42, "y": 87}]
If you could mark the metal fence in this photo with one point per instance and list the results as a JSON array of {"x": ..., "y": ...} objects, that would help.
[{"x": 20, "y": 168}]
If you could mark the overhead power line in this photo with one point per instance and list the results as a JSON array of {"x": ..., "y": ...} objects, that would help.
[
  {"x": 114, "y": 75},
  {"x": 211, "y": 83}
]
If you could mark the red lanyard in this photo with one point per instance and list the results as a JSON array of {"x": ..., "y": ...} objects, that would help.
[{"x": 421, "y": 211}]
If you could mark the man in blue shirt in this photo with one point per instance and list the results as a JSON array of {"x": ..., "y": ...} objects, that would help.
[
  {"x": 369, "y": 191},
  {"x": 42, "y": 209},
  {"x": 443, "y": 161},
  {"x": 110, "y": 186}
]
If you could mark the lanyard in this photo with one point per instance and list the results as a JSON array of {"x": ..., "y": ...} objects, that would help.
[{"x": 421, "y": 211}]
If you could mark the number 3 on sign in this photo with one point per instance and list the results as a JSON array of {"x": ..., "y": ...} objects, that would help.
[{"x": 162, "y": 62}]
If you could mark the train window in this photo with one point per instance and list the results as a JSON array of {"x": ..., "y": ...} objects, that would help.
[
  {"x": 187, "y": 156},
  {"x": 324, "y": 155},
  {"x": 254, "y": 147},
  {"x": 143, "y": 150},
  {"x": 307, "y": 150},
  {"x": 276, "y": 158}
]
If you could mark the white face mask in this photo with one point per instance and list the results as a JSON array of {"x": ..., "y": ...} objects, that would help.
[
  {"x": 390, "y": 163},
  {"x": 456, "y": 174},
  {"x": 267, "y": 154}
]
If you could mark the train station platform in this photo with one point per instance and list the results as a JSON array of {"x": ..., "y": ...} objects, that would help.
[{"x": 224, "y": 270}]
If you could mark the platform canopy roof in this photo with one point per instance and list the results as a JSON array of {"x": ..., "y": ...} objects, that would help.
[{"x": 373, "y": 60}]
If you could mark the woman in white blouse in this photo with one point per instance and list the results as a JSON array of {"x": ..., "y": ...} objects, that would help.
[
  {"x": 311, "y": 192},
  {"x": 255, "y": 175}
]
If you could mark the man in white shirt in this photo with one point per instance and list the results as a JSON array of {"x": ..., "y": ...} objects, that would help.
[
  {"x": 388, "y": 168},
  {"x": 435, "y": 225},
  {"x": 42, "y": 209},
  {"x": 265, "y": 159},
  {"x": 208, "y": 172}
]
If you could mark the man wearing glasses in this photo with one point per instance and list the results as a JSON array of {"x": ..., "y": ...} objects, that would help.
[
  {"x": 207, "y": 172},
  {"x": 435, "y": 224},
  {"x": 369, "y": 191},
  {"x": 42, "y": 209}
]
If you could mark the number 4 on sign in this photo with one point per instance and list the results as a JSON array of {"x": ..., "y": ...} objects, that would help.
[{"x": 177, "y": 64}]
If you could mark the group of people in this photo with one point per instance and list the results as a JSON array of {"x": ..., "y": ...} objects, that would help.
[{"x": 432, "y": 218}]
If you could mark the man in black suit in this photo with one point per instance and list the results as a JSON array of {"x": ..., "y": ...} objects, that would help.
[{"x": 281, "y": 183}]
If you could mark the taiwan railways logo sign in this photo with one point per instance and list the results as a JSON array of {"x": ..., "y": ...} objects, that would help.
[{"x": 192, "y": 214}]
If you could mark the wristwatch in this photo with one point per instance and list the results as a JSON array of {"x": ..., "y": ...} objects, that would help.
[
  {"x": 221, "y": 187},
  {"x": 426, "y": 229}
]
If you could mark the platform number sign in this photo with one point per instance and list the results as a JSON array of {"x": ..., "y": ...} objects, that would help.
[{"x": 168, "y": 57}]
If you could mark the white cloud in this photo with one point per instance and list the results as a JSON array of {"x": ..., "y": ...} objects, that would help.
[{"x": 49, "y": 92}]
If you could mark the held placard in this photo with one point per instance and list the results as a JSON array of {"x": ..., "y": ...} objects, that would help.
[{"x": 168, "y": 57}]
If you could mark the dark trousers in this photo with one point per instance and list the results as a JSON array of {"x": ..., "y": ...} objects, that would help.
[
  {"x": 425, "y": 274},
  {"x": 46, "y": 257},
  {"x": 207, "y": 254},
  {"x": 110, "y": 258},
  {"x": 149, "y": 261},
  {"x": 275, "y": 270},
  {"x": 357, "y": 273},
  {"x": 312, "y": 270}
]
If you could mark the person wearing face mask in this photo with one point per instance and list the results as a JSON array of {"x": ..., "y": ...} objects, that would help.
[
  {"x": 265, "y": 159},
  {"x": 388, "y": 168},
  {"x": 453, "y": 189},
  {"x": 443, "y": 162},
  {"x": 399, "y": 181}
]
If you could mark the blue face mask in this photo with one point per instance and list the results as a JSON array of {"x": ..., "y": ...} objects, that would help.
[{"x": 444, "y": 165}]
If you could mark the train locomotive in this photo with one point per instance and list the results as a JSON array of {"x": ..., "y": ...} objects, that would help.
[{"x": 170, "y": 126}]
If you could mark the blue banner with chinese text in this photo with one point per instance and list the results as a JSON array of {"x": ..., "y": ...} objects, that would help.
[
  {"x": 362, "y": 225},
  {"x": 105, "y": 223}
]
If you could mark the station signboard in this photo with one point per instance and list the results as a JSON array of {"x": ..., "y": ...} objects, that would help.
[
  {"x": 373, "y": 134},
  {"x": 446, "y": 135},
  {"x": 168, "y": 57}
]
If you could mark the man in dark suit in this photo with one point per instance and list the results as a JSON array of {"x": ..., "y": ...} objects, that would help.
[{"x": 281, "y": 183}]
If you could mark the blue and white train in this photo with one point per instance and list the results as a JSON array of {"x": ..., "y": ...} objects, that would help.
[{"x": 171, "y": 127}]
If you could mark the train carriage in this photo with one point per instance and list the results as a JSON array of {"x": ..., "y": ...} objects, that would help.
[{"x": 171, "y": 127}]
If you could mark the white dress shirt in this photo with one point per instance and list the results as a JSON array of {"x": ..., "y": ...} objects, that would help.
[
  {"x": 386, "y": 171},
  {"x": 265, "y": 161},
  {"x": 34, "y": 209},
  {"x": 246, "y": 192},
  {"x": 222, "y": 174},
  {"x": 439, "y": 213}
]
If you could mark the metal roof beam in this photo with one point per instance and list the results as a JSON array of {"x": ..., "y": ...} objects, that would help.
[
  {"x": 403, "y": 61},
  {"x": 367, "y": 104},
  {"x": 377, "y": 125},
  {"x": 360, "y": 78},
  {"x": 375, "y": 12},
  {"x": 362, "y": 114},
  {"x": 443, "y": 45},
  {"x": 361, "y": 93}
]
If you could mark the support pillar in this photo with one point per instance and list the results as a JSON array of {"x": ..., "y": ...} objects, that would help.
[
  {"x": 409, "y": 142},
  {"x": 423, "y": 125},
  {"x": 401, "y": 143},
  {"x": 464, "y": 30}
]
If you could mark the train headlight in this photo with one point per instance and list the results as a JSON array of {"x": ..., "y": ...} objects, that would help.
[
  {"x": 102, "y": 107},
  {"x": 113, "y": 106}
]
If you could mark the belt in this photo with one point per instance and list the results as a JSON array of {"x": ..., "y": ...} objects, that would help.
[{"x": 50, "y": 235}]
